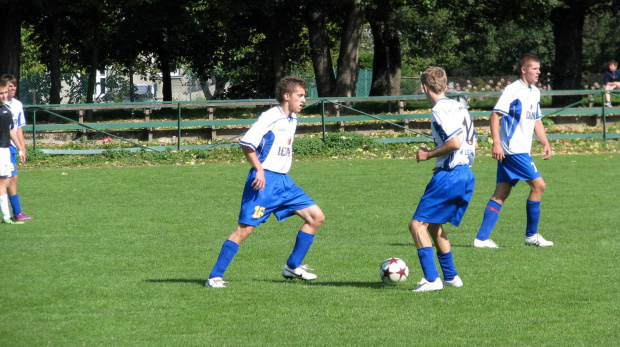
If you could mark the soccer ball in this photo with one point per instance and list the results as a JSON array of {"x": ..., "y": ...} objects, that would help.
[{"x": 393, "y": 270}]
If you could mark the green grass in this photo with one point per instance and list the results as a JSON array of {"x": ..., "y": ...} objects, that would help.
[{"x": 119, "y": 256}]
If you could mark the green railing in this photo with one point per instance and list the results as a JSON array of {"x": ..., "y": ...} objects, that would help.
[{"x": 336, "y": 105}]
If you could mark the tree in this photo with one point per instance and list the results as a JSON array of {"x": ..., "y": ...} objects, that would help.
[
  {"x": 386, "y": 67},
  {"x": 320, "y": 50},
  {"x": 568, "y": 19},
  {"x": 10, "y": 44}
]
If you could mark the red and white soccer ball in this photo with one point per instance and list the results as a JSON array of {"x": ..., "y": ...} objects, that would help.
[{"x": 394, "y": 270}]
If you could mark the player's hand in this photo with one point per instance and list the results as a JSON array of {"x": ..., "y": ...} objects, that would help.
[
  {"x": 259, "y": 180},
  {"x": 422, "y": 154},
  {"x": 498, "y": 152},
  {"x": 22, "y": 157},
  {"x": 547, "y": 151}
]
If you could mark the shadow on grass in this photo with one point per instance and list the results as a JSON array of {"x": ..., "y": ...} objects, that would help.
[
  {"x": 372, "y": 285},
  {"x": 177, "y": 280}
]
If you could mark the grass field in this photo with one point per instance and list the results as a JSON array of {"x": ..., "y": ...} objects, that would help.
[{"x": 119, "y": 256}]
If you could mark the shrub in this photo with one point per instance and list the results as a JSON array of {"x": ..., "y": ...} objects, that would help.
[
  {"x": 346, "y": 143},
  {"x": 308, "y": 146}
]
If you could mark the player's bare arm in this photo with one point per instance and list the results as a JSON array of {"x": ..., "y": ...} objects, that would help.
[
  {"x": 259, "y": 179},
  {"x": 539, "y": 130},
  {"x": 449, "y": 146},
  {"x": 498, "y": 151}
]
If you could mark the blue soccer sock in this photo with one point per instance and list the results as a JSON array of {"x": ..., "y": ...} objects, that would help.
[
  {"x": 491, "y": 215},
  {"x": 427, "y": 261},
  {"x": 229, "y": 249},
  {"x": 533, "y": 216},
  {"x": 447, "y": 266},
  {"x": 302, "y": 245},
  {"x": 17, "y": 207}
]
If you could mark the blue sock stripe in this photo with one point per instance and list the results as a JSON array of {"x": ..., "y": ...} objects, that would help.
[
  {"x": 427, "y": 261},
  {"x": 446, "y": 262},
  {"x": 302, "y": 246},
  {"x": 491, "y": 215},
  {"x": 228, "y": 252},
  {"x": 533, "y": 217}
]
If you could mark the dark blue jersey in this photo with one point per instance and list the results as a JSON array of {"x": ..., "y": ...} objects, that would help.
[
  {"x": 611, "y": 76},
  {"x": 6, "y": 124}
]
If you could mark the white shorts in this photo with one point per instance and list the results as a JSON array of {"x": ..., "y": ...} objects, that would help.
[{"x": 6, "y": 167}]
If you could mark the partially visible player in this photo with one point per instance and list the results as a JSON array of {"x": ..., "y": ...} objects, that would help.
[
  {"x": 19, "y": 120},
  {"x": 268, "y": 147},
  {"x": 611, "y": 80},
  {"x": 447, "y": 195},
  {"x": 6, "y": 167},
  {"x": 515, "y": 117}
]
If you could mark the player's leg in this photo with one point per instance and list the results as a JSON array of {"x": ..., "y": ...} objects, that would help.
[
  {"x": 14, "y": 199},
  {"x": 227, "y": 253},
  {"x": 313, "y": 219},
  {"x": 491, "y": 215},
  {"x": 426, "y": 255},
  {"x": 532, "y": 208},
  {"x": 4, "y": 202},
  {"x": 444, "y": 256},
  {"x": 607, "y": 96}
]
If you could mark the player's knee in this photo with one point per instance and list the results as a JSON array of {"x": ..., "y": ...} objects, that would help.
[{"x": 317, "y": 219}]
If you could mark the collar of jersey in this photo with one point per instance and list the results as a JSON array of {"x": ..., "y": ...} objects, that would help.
[{"x": 290, "y": 117}]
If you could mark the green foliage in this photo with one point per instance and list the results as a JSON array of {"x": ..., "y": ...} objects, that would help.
[
  {"x": 308, "y": 146},
  {"x": 547, "y": 122},
  {"x": 346, "y": 142}
]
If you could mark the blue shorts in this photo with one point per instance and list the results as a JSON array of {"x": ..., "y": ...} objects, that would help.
[
  {"x": 516, "y": 167},
  {"x": 447, "y": 196},
  {"x": 13, "y": 160},
  {"x": 281, "y": 197}
]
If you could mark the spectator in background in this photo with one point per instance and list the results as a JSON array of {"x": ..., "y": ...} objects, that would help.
[
  {"x": 6, "y": 167},
  {"x": 611, "y": 80},
  {"x": 19, "y": 120}
]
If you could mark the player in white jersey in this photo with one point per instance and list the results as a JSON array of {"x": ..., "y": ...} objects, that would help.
[
  {"x": 268, "y": 147},
  {"x": 19, "y": 120},
  {"x": 513, "y": 120},
  {"x": 447, "y": 195}
]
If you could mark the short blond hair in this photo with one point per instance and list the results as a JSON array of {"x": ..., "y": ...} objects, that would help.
[
  {"x": 527, "y": 59},
  {"x": 435, "y": 78}
]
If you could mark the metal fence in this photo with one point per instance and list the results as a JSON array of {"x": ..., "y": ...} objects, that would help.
[{"x": 114, "y": 86}]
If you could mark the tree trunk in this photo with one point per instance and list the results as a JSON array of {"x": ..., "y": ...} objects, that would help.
[
  {"x": 10, "y": 41},
  {"x": 92, "y": 76},
  {"x": 54, "y": 67},
  {"x": 568, "y": 37},
  {"x": 386, "y": 64},
  {"x": 166, "y": 79},
  {"x": 348, "y": 57},
  {"x": 320, "y": 52}
]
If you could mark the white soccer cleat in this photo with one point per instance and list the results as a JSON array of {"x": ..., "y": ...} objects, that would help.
[
  {"x": 455, "y": 282},
  {"x": 426, "y": 286},
  {"x": 300, "y": 272},
  {"x": 216, "y": 282},
  {"x": 488, "y": 243},
  {"x": 537, "y": 240}
]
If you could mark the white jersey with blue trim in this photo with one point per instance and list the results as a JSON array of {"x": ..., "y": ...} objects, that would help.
[
  {"x": 272, "y": 138},
  {"x": 17, "y": 109},
  {"x": 450, "y": 118},
  {"x": 519, "y": 106}
]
